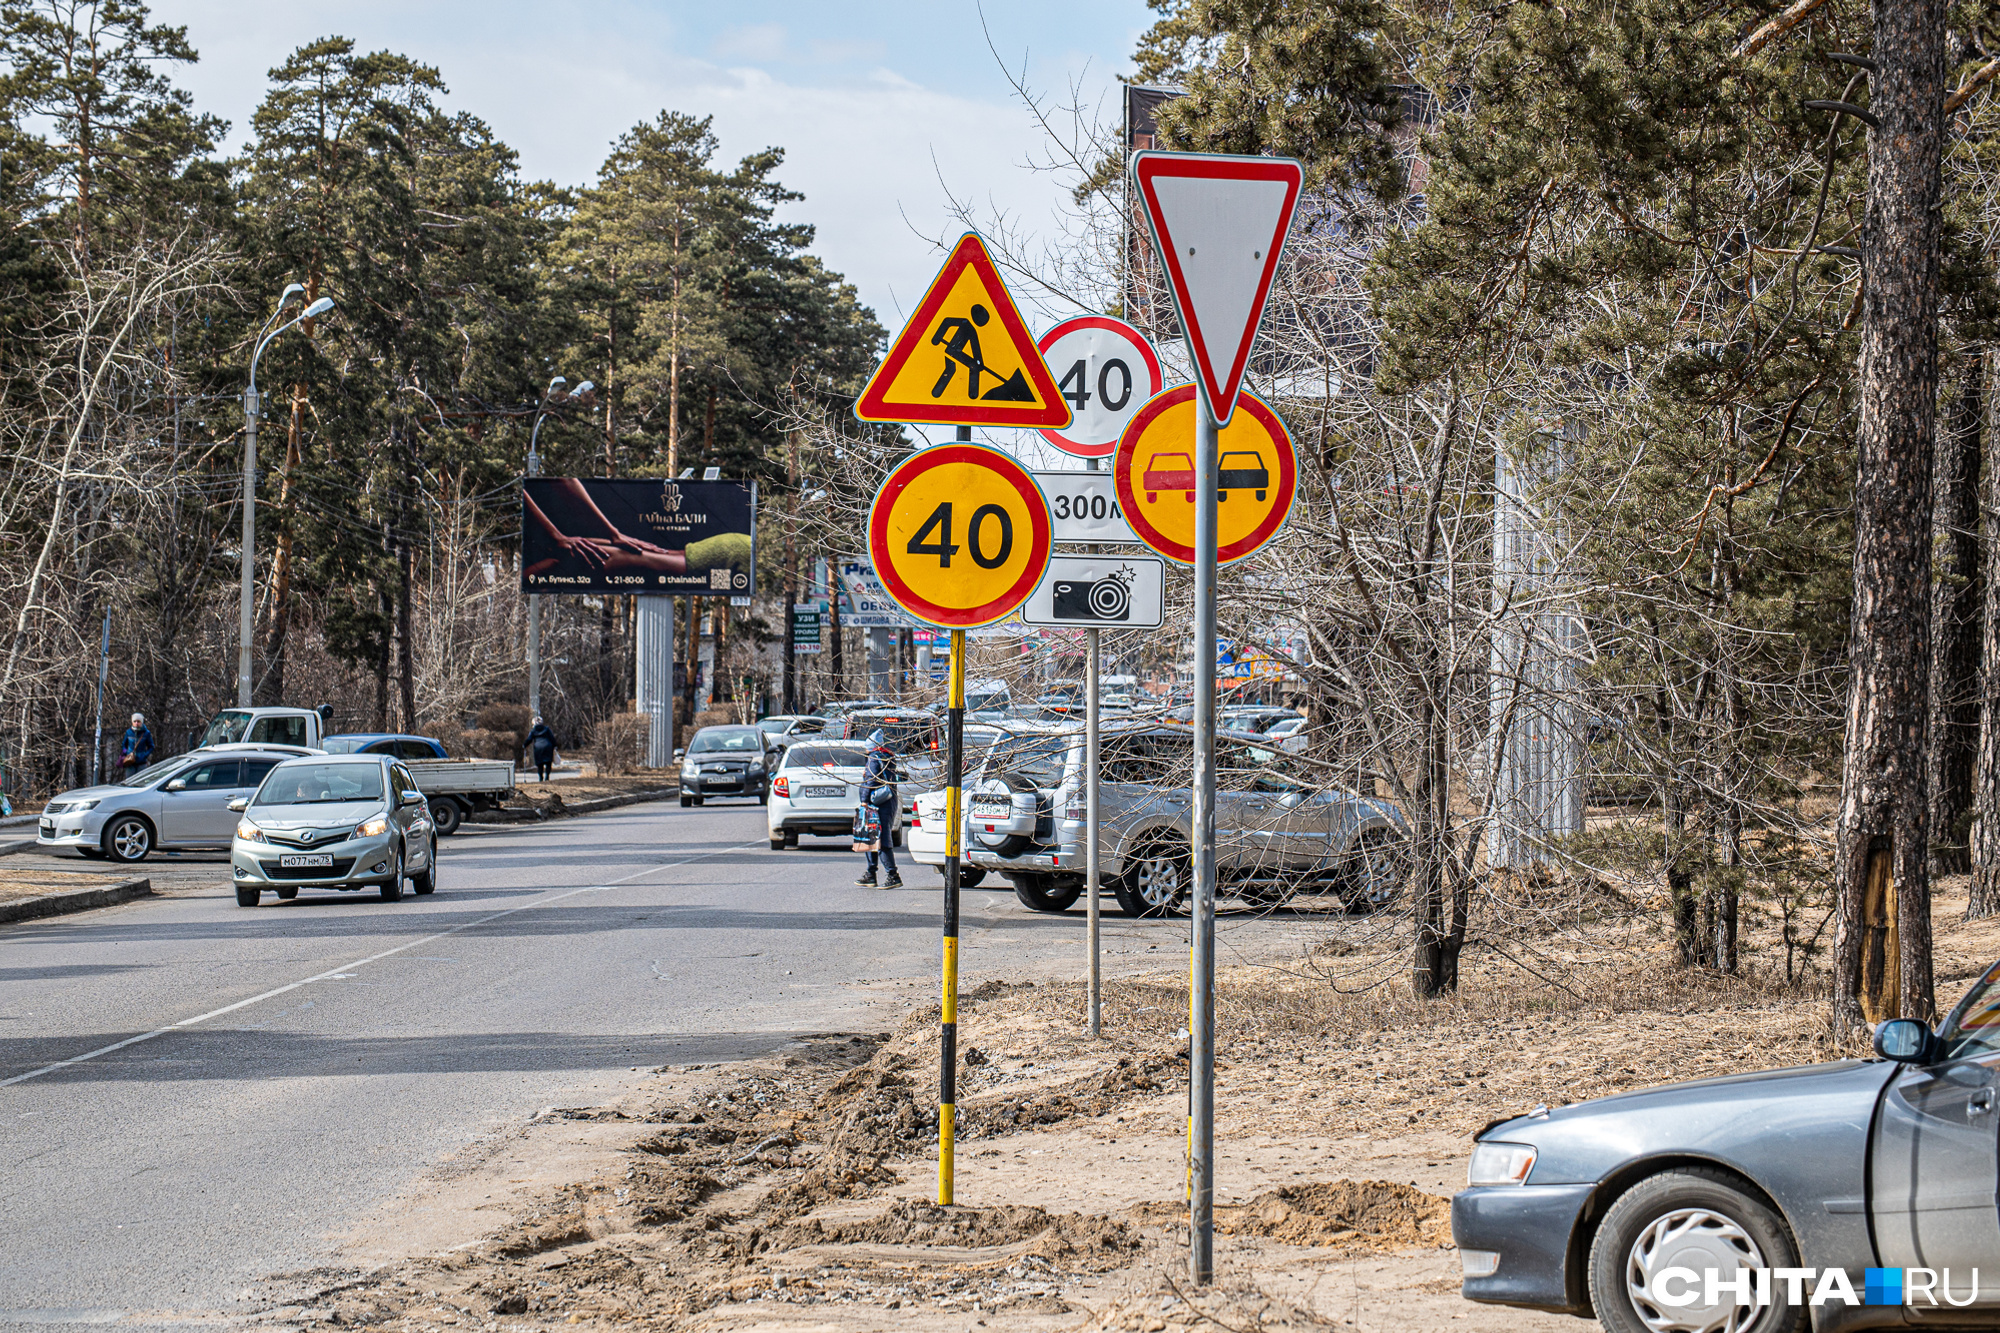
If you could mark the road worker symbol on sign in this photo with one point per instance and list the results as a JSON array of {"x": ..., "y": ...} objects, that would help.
[
  {"x": 1154, "y": 472},
  {"x": 966, "y": 358}
]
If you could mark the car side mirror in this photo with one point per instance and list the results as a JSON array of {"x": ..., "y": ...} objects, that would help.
[
  {"x": 413, "y": 797},
  {"x": 1904, "y": 1040},
  {"x": 177, "y": 785},
  {"x": 239, "y": 805}
]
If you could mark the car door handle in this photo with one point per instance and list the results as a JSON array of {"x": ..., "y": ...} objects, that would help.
[{"x": 1979, "y": 1103}]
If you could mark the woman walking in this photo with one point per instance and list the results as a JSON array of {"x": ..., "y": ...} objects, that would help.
[
  {"x": 542, "y": 742},
  {"x": 878, "y": 788},
  {"x": 137, "y": 750}
]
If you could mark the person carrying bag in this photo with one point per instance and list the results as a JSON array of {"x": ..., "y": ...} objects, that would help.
[{"x": 878, "y": 800}]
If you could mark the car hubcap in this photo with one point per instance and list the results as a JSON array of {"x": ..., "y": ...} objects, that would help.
[
  {"x": 1698, "y": 1240},
  {"x": 1381, "y": 874},
  {"x": 1159, "y": 881},
  {"x": 131, "y": 840}
]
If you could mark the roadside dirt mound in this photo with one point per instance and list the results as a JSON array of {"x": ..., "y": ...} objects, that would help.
[
  {"x": 1378, "y": 1214},
  {"x": 1133, "y": 1075},
  {"x": 1069, "y": 1236}
]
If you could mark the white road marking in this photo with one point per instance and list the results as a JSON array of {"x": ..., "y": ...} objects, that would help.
[{"x": 346, "y": 969}]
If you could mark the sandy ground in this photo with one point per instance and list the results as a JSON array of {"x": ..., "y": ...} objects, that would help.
[{"x": 795, "y": 1193}]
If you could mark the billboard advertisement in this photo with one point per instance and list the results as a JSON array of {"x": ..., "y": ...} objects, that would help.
[{"x": 633, "y": 534}]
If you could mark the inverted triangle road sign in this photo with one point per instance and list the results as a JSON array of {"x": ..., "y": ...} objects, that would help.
[
  {"x": 966, "y": 357},
  {"x": 1220, "y": 224}
]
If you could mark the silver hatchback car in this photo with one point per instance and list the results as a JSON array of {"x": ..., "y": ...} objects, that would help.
[{"x": 343, "y": 822}]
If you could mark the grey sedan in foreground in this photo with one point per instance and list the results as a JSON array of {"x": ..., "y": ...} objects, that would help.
[
  {"x": 342, "y": 822},
  {"x": 1857, "y": 1194}
]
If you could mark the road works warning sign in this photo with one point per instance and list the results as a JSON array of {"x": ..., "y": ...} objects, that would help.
[{"x": 966, "y": 357}]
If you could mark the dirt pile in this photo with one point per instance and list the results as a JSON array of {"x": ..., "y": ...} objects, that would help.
[
  {"x": 1376, "y": 1214},
  {"x": 1093, "y": 1240}
]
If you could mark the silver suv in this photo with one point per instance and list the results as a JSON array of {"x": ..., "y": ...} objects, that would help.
[{"x": 1279, "y": 830}]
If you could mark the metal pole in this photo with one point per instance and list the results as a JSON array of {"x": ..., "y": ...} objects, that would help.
[
  {"x": 954, "y": 769},
  {"x": 1201, "y": 1007},
  {"x": 535, "y": 602},
  {"x": 1090, "y": 880},
  {"x": 103, "y": 673},
  {"x": 247, "y": 599}
]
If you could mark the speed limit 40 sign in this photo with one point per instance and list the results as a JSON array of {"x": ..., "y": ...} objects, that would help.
[
  {"x": 1106, "y": 370},
  {"x": 960, "y": 535}
]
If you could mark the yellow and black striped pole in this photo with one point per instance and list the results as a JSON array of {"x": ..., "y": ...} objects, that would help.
[{"x": 954, "y": 827}]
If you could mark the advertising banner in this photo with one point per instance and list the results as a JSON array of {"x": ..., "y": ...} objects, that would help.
[
  {"x": 805, "y": 627},
  {"x": 628, "y": 534},
  {"x": 864, "y": 603}
]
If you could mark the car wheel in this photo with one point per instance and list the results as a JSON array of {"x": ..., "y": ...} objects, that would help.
[
  {"x": 427, "y": 882},
  {"x": 447, "y": 814},
  {"x": 1157, "y": 884},
  {"x": 686, "y": 801},
  {"x": 1697, "y": 1218},
  {"x": 287, "y": 894},
  {"x": 392, "y": 887},
  {"x": 1376, "y": 871},
  {"x": 699, "y": 799},
  {"x": 247, "y": 895},
  {"x": 128, "y": 838},
  {"x": 777, "y": 842},
  {"x": 791, "y": 838},
  {"x": 1038, "y": 892}
]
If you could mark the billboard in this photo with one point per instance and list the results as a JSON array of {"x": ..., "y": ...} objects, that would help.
[{"x": 633, "y": 534}]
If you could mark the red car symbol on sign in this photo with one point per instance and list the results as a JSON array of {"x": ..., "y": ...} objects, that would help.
[{"x": 1169, "y": 472}]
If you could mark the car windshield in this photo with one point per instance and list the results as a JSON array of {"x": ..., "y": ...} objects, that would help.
[
  {"x": 228, "y": 728},
  {"x": 819, "y": 756},
  {"x": 736, "y": 740},
  {"x": 905, "y": 735},
  {"x": 344, "y": 744},
  {"x": 320, "y": 784},
  {"x": 152, "y": 773},
  {"x": 1974, "y": 1028},
  {"x": 771, "y": 726}
]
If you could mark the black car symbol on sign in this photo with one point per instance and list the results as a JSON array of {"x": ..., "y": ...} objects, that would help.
[{"x": 1241, "y": 469}]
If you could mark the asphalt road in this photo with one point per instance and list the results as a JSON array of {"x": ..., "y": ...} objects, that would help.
[{"x": 194, "y": 1096}]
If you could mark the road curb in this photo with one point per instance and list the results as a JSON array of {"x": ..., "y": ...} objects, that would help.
[
  {"x": 81, "y": 900},
  {"x": 577, "y": 808}
]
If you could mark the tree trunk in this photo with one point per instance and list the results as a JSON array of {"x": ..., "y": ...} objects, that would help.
[
  {"x": 1984, "y": 897},
  {"x": 1680, "y": 881},
  {"x": 1955, "y": 622},
  {"x": 1881, "y": 828},
  {"x": 1440, "y": 927}
]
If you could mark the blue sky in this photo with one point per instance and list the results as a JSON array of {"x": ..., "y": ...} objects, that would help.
[{"x": 882, "y": 107}]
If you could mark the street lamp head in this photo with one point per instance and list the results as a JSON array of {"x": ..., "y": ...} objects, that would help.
[
  {"x": 318, "y": 308},
  {"x": 583, "y": 390},
  {"x": 557, "y": 386},
  {"x": 292, "y": 292}
]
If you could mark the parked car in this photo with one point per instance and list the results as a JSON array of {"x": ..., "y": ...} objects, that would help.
[
  {"x": 1614, "y": 1206},
  {"x": 727, "y": 761},
  {"x": 1289, "y": 733},
  {"x": 178, "y": 804},
  {"x": 455, "y": 787},
  {"x": 344, "y": 822},
  {"x": 787, "y": 728},
  {"x": 1256, "y": 717},
  {"x": 1281, "y": 829},
  {"x": 816, "y": 790},
  {"x": 926, "y": 815}
]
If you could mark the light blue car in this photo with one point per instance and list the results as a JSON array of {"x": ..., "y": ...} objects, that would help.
[{"x": 178, "y": 804}]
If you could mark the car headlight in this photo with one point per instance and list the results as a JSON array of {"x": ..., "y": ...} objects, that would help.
[
  {"x": 1500, "y": 1164},
  {"x": 756, "y": 768},
  {"x": 249, "y": 832},
  {"x": 374, "y": 828},
  {"x": 78, "y": 807}
]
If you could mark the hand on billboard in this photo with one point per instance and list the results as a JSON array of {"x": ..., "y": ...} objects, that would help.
[{"x": 595, "y": 553}]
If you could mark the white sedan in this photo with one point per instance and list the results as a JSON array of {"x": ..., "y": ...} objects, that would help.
[
  {"x": 926, "y": 839},
  {"x": 816, "y": 790}
]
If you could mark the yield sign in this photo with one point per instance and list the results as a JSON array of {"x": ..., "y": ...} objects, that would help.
[
  {"x": 966, "y": 357},
  {"x": 1220, "y": 224}
]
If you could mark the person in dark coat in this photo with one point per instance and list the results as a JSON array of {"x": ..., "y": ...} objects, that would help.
[
  {"x": 137, "y": 750},
  {"x": 878, "y": 788},
  {"x": 542, "y": 742}
]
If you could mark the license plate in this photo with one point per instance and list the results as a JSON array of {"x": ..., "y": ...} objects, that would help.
[
  {"x": 823, "y": 793},
  {"x": 323, "y": 860},
  {"x": 999, "y": 809}
]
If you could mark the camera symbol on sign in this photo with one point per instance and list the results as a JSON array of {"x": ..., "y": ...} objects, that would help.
[{"x": 1108, "y": 598}]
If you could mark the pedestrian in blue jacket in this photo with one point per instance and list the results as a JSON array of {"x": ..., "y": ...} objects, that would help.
[
  {"x": 878, "y": 788},
  {"x": 137, "y": 750}
]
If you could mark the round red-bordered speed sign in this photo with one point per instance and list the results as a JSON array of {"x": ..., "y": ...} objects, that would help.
[
  {"x": 1154, "y": 473},
  {"x": 960, "y": 534},
  {"x": 1107, "y": 370}
]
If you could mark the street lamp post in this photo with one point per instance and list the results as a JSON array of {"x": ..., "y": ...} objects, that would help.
[
  {"x": 558, "y": 394},
  {"x": 252, "y": 406}
]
